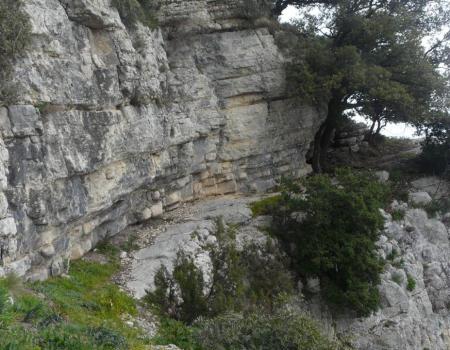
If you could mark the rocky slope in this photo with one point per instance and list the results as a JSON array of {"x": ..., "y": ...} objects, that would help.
[
  {"x": 116, "y": 125},
  {"x": 416, "y": 247}
]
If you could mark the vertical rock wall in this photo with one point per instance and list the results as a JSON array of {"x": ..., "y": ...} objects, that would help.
[{"x": 116, "y": 125}]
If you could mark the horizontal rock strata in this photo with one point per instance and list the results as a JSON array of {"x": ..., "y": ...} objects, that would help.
[{"x": 116, "y": 125}]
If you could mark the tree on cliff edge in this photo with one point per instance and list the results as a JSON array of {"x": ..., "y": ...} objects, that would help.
[{"x": 369, "y": 57}]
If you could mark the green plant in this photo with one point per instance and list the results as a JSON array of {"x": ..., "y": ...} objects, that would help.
[
  {"x": 392, "y": 255},
  {"x": 108, "y": 249},
  {"x": 82, "y": 311},
  {"x": 267, "y": 274},
  {"x": 435, "y": 156},
  {"x": 15, "y": 35},
  {"x": 130, "y": 244},
  {"x": 175, "y": 332},
  {"x": 398, "y": 263},
  {"x": 336, "y": 240},
  {"x": 398, "y": 215},
  {"x": 133, "y": 11},
  {"x": 281, "y": 330},
  {"x": 265, "y": 206},
  {"x": 241, "y": 280},
  {"x": 441, "y": 205},
  {"x": 410, "y": 283},
  {"x": 397, "y": 278}
]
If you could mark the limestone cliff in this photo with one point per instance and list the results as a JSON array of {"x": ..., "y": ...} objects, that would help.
[{"x": 116, "y": 125}]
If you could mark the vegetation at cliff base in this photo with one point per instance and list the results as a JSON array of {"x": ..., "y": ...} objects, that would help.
[
  {"x": 241, "y": 280},
  {"x": 15, "y": 34},
  {"x": 329, "y": 227},
  {"x": 243, "y": 307},
  {"x": 81, "y": 311}
]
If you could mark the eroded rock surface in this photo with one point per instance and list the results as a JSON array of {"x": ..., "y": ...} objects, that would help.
[
  {"x": 191, "y": 233},
  {"x": 116, "y": 125},
  {"x": 413, "y": 315},
  {"x": 415, "y": 288}
]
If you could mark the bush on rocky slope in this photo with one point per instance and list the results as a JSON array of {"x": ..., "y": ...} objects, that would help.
[
  {"x": 15, "y": 32},
  {"x": 241, "y": 280},
  {"x": 281, "y": 330},
  {"x": 329, "y": 227},
  {"x": 435, "y": 156}
]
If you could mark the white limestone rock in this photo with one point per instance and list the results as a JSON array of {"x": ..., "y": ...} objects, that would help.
[{"x": 420, "y": 198}]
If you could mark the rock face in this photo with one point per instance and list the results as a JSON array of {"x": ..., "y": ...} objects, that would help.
[
  {"x": 115, "y": 125},
  {"x": 191, "y": 234},
  {"x": 414, "y": 289}
]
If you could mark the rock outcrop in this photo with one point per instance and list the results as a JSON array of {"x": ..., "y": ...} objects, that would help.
[
  {"x": 115, "y": 125},
  {"x": 414, "y": 289}
]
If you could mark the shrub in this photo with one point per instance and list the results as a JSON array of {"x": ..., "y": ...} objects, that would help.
[
  {"x": 411, "y": 283},
  {"x": 279, "y": 330},
  {"x": 15, "y": 35},
  {"x": 175, "y": 332},
  {"x": 133, "y": 11},
  {"x": 398, "y": 215},
  {"x": 265, "y": 206},
  {"x": 397, "y": 278},
  {"x": 435, "y": 156},
  {"x": 439, "y": 205},
  {"x": 336, "y": 240},
  {"x": 241, "y": 280}
]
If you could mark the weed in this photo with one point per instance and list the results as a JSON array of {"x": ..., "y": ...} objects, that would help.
[
  {"x": 410, "y": 283},
  {"x": 392, "y": 255},
  {"x": 265, "y": 206},
  {"x": 397, "y": 278},
  {"x": 398, "y": 215},
  {"x": 15, "y": 35}
]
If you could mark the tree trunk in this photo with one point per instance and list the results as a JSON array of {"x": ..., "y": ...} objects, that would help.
[{"x": 324, "y": 136}]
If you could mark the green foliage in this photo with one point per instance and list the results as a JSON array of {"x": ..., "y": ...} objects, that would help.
[
  {"x": 130, "y": 244},
  {"x": 83, "y": 311},
  {"x": 440, "y": 205},
  {"x": 367, "y": 57},
  {"x": 108, "y": 249},
  {"x": 241, "y": 280},
  {"x": 15, "y": 35},
  {"x": 336, "y": 239},
  {"x": 435, "y": 156},
  {"x": 190, "y": 280},
  {"x": 133, "y": 11},
  {"x": 265, "y": 206},
  {"x": 398, "y": 215},
  {"x": 397, "y": 278},
  {"x": 411, "y": 283},
  {"x": 392, "y": 255},
  {"x": 279, "y": 330},
  {"x": 175, "y": 332}
]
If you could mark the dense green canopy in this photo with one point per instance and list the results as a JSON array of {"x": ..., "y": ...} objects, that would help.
[{"x": 370, "y": 57}]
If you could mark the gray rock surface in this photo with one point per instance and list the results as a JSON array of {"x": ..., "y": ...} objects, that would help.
[
  {"x": 420, "y": 198},
  {"x": 416, "y": 248},
  {"x": 190, "y": 234},
  {"x": 117, "y": 125},
  {"x": 414, "y": 318}
]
